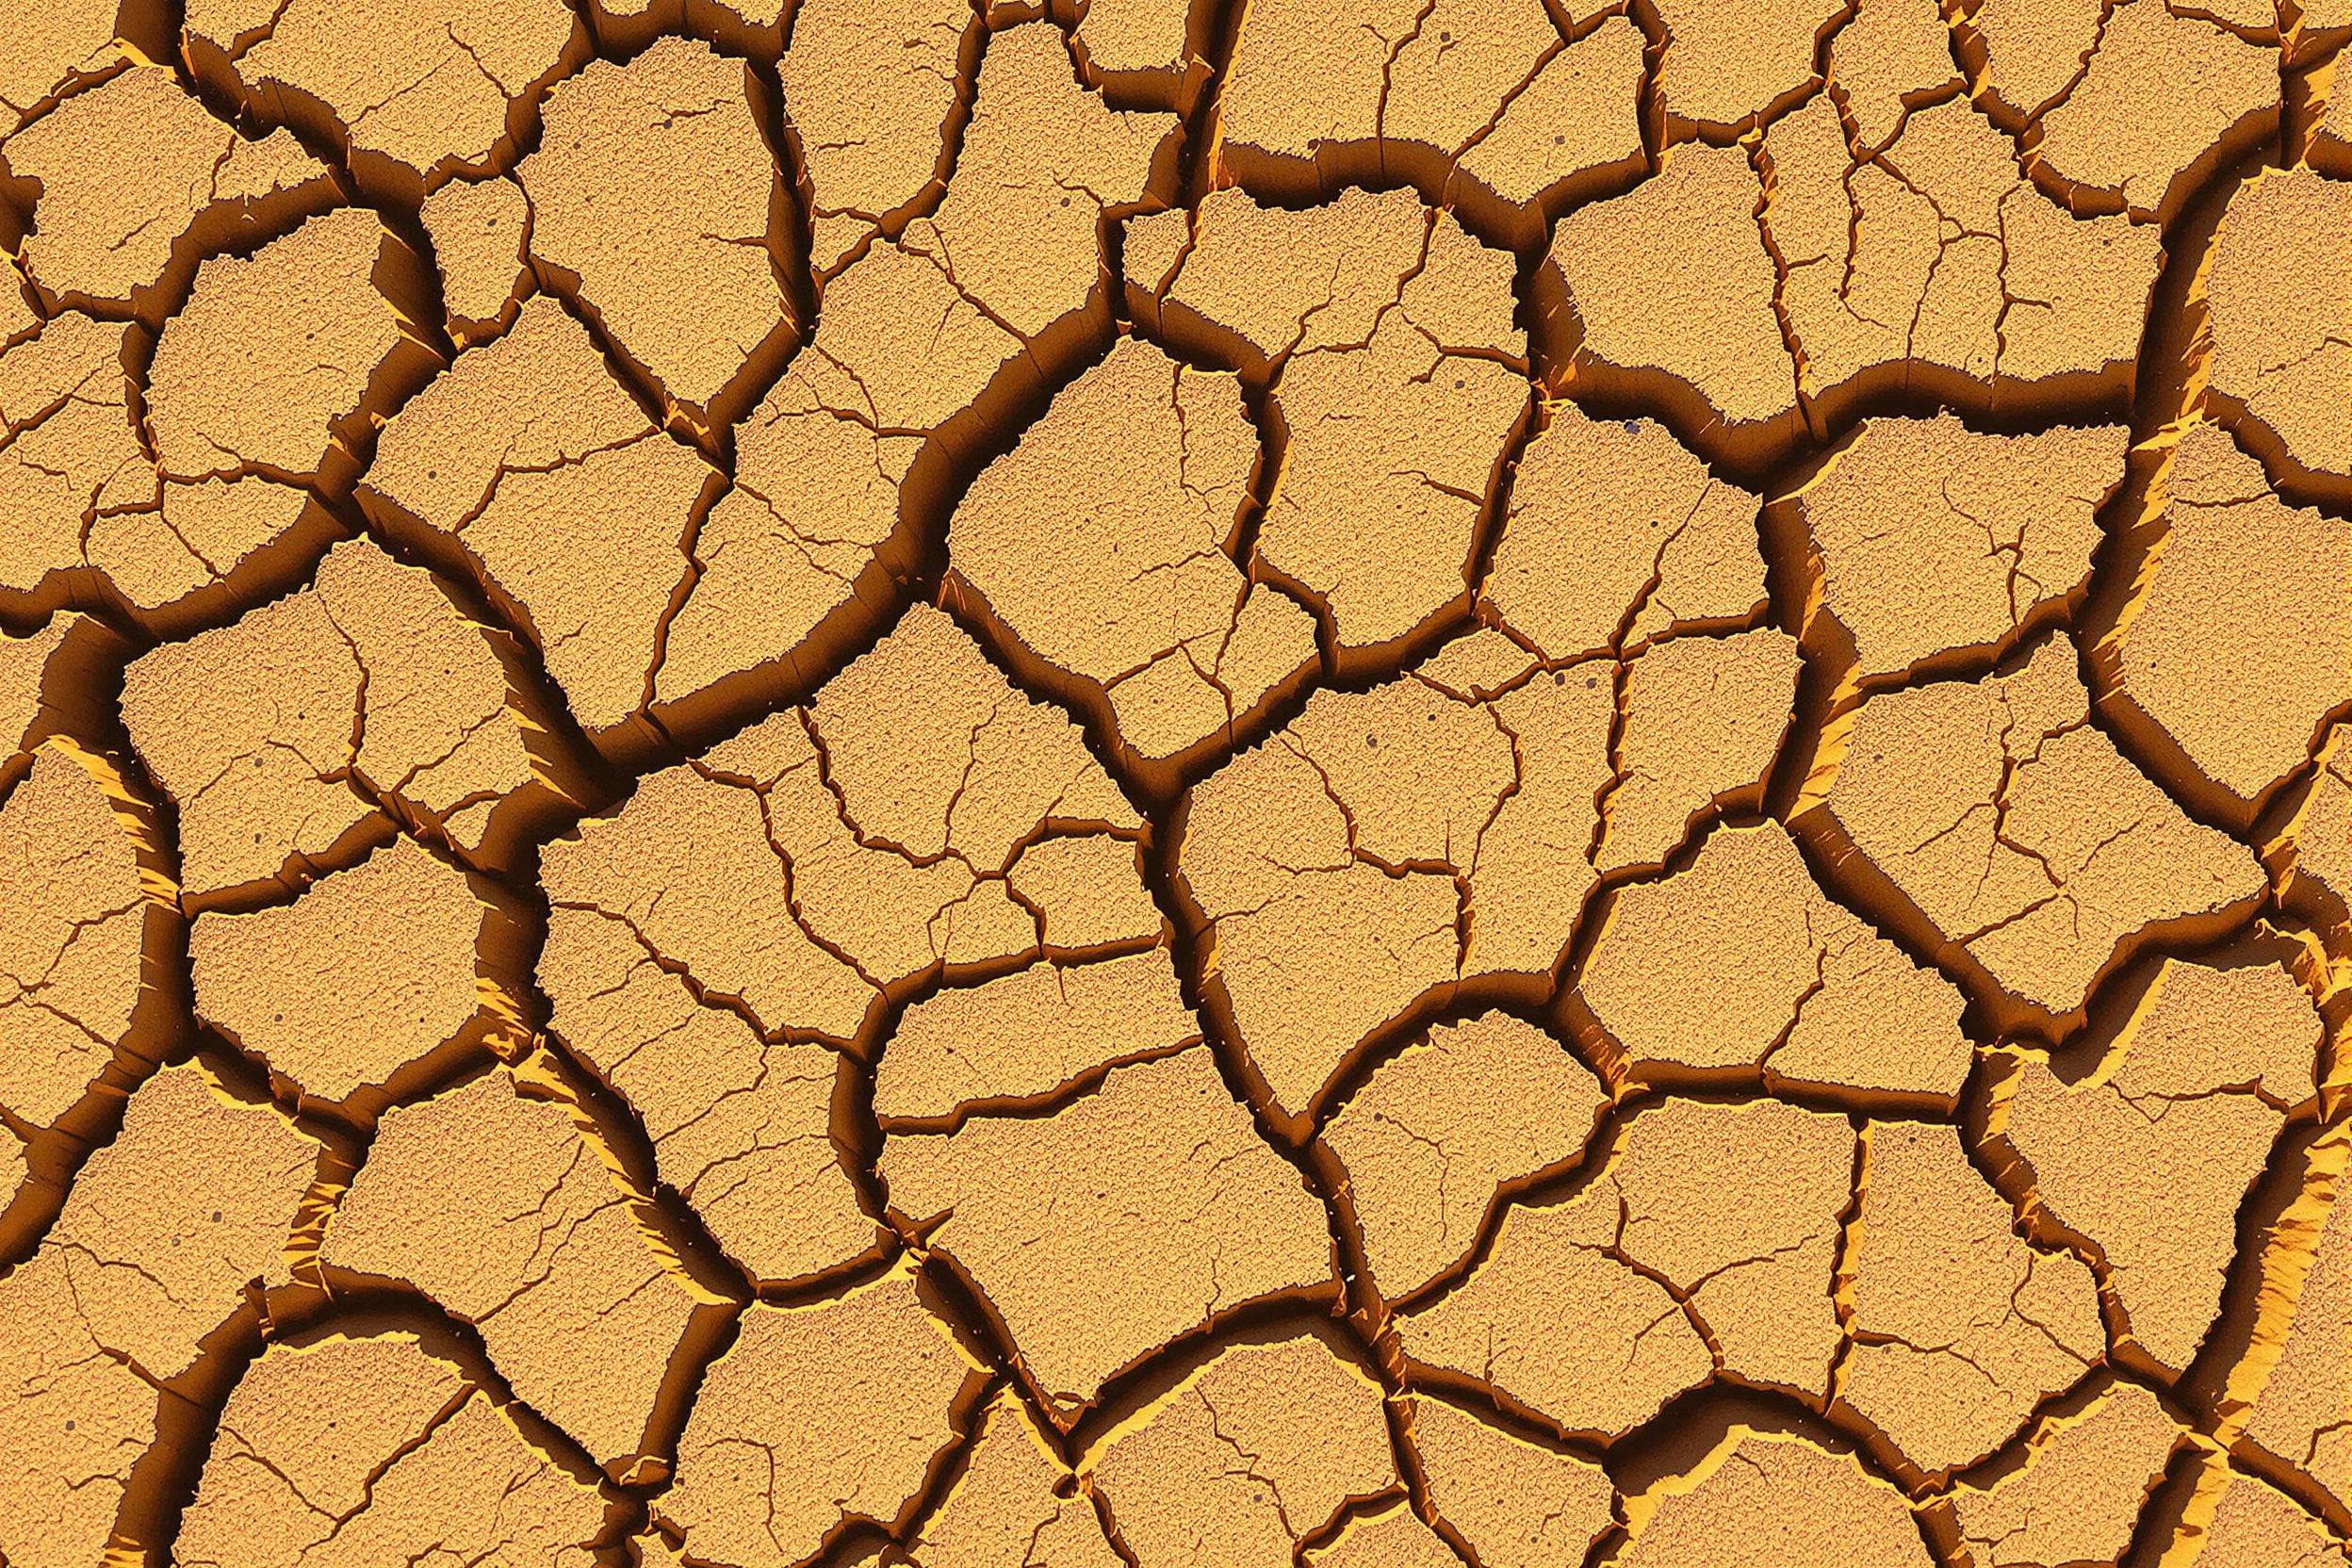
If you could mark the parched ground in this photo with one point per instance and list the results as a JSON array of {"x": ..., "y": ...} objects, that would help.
[{"x": 1075, "y": 783}]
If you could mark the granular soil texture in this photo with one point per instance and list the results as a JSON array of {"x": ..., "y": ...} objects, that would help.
[{"x": 1176, "y": 784}]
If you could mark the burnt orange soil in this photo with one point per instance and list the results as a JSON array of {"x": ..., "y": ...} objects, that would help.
[{"x": 1176, "y": 784}]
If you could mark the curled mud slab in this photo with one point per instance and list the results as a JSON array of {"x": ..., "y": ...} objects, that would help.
[{"x": 1176, "y": 784}]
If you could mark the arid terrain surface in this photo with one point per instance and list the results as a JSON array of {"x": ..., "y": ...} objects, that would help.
[{"x": 1404, "y": 784}]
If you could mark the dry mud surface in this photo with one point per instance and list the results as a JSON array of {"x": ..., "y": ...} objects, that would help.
[{"x": 1082, "y": 783}]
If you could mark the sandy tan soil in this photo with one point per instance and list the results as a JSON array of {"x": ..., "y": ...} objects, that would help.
[{"x": 1172, "y": 783}]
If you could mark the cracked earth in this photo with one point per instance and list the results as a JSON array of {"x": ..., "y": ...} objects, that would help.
[{"x": 1075, "y": 783}]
